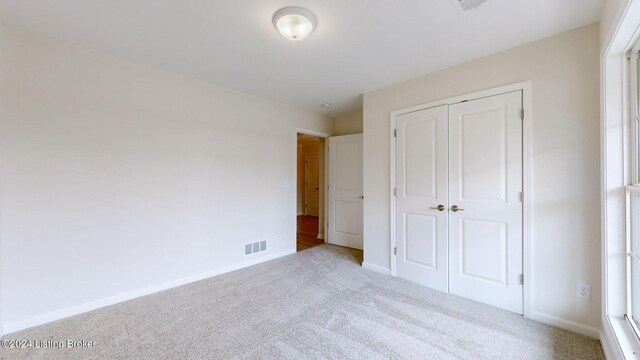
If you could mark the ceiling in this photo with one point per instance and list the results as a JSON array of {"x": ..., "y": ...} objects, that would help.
[{"x": 359, "y": 45}]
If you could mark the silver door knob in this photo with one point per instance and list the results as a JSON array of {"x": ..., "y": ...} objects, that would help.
[
  {"x": 455, "y": 208},
  {"x": 439, "y": 207}
]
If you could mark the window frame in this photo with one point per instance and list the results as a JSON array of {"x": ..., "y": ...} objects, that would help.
[
  {"x": 633, "y": 71},
  {"x": 617, "y": 36},
  {"x": 630, "y": 191},
  {"x": 633, "y": 55}
]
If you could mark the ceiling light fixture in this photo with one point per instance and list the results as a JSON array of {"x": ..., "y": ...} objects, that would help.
[
  {"x": 294, "y": 23},
  {"x": 326, "y": 105},
  {"x": 465, "y": 5}
]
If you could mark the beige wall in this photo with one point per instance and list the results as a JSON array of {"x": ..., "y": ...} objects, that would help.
[
  {"x": 609, "y": 17},
  {"x": 565, "y": 163},
  {"x": 348, "y": 124},
  {"x": 119, "y": 179}
]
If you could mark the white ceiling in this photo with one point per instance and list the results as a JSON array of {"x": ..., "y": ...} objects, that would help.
[{"x": 359, "y": 45}]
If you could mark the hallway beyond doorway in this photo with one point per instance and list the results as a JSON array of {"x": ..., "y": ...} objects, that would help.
[
  {"x": 307, "y": 232},
  {"x": 307, "y": 237}
]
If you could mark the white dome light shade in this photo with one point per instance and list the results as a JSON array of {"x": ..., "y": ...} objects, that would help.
[{"x": 294, "y": 24}]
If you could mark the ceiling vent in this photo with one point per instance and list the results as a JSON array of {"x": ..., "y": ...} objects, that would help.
[{"x": 464, "y": 5}]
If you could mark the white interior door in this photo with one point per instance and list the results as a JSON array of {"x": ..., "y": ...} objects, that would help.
[
  {"x": 421, "y": 197},
  {"x": 345, "y": 191},
  {"x": 312, "y": 184},
  {"x": 485, "y": 184},
  {"x": 466, "y": 157}
]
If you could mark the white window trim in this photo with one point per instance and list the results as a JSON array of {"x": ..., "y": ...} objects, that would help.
[
  {"x": 633, "y": 58},
  {"x": 630, "y": 190},
  {"x": 618, "y": 169},
  {"x": 632, "y": 67}
]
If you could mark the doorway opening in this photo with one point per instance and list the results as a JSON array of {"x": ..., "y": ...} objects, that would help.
[{"x": 310, "y": 191}]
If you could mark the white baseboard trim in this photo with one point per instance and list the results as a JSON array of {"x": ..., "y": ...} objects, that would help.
[
  {"x": 320, "y": 237},
  {"x": 300, "y": 213},
  {"x": 566, "y": 324},
  {"x": 93, "y": 305},
  {"x": 376, "y": 268}
]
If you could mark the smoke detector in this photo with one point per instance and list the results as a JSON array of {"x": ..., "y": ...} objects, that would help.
[{"x": 464, "y": 5}]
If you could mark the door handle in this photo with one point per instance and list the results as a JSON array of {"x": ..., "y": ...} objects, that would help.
[
  {"x": 455, "y": 208},
  {"x": 439, "y": 207},
  {"x": 361, "y": 197}
]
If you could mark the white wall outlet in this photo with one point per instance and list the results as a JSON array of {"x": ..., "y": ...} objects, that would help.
[{"x": 583, "y": 291}]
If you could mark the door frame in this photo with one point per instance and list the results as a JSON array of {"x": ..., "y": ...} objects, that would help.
[
  {"x": 294, "y": 176},
  {"x": 527, "y": 103}
]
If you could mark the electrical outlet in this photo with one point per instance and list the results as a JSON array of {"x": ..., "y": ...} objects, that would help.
[{"x": 583, "y": 291}]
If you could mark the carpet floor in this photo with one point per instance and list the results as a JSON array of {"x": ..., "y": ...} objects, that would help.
[{"x": 315, "y": 304}]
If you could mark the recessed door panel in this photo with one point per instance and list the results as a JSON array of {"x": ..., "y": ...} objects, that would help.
[
  {"x": 483, "y": 148},
  {"x": 483, "y": 250},
  {"x": 421, "y": 236},
  {"x": 346, "y": 217},
  {"x": 420, "y": 151},
  {"x": 347, "y": 176}
]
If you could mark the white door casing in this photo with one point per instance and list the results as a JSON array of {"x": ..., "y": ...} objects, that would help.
[
  {"x": 312, "y": 184},
  {"x": 422, "y": 187},
  {"x": 485, "y": 179},
  {"x": 345, "y": 191}
]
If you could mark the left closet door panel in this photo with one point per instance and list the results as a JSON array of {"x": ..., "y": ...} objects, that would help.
[{"x": 421, "y": 197}]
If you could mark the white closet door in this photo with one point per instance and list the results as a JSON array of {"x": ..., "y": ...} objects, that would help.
[
  {"x": 421, "y": 177},
  {"x": 485, "y": 183},
  {"x": 345, "y": 191}
]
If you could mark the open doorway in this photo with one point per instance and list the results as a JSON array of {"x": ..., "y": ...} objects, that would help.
[{"x": 310, "y": 191}]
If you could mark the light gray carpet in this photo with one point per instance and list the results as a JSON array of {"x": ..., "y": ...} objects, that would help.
[{"x": 316, "y": 304}]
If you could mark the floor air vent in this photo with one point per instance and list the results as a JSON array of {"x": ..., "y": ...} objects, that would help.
[{"x": 256, "y": 247}]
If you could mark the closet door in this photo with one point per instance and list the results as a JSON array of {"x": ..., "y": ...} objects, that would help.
[
  {"x": 421, "y": 197},
  {"x": 485, "y": 189}
]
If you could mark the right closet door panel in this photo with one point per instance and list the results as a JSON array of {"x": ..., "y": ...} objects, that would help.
[{"x": 485, "y": 204}]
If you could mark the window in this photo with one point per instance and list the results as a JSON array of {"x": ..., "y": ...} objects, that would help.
[
  {"x": 620, "y": 155},
  {"x": 633, "y": 196},
  {"x": 633, "y": 254}
]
